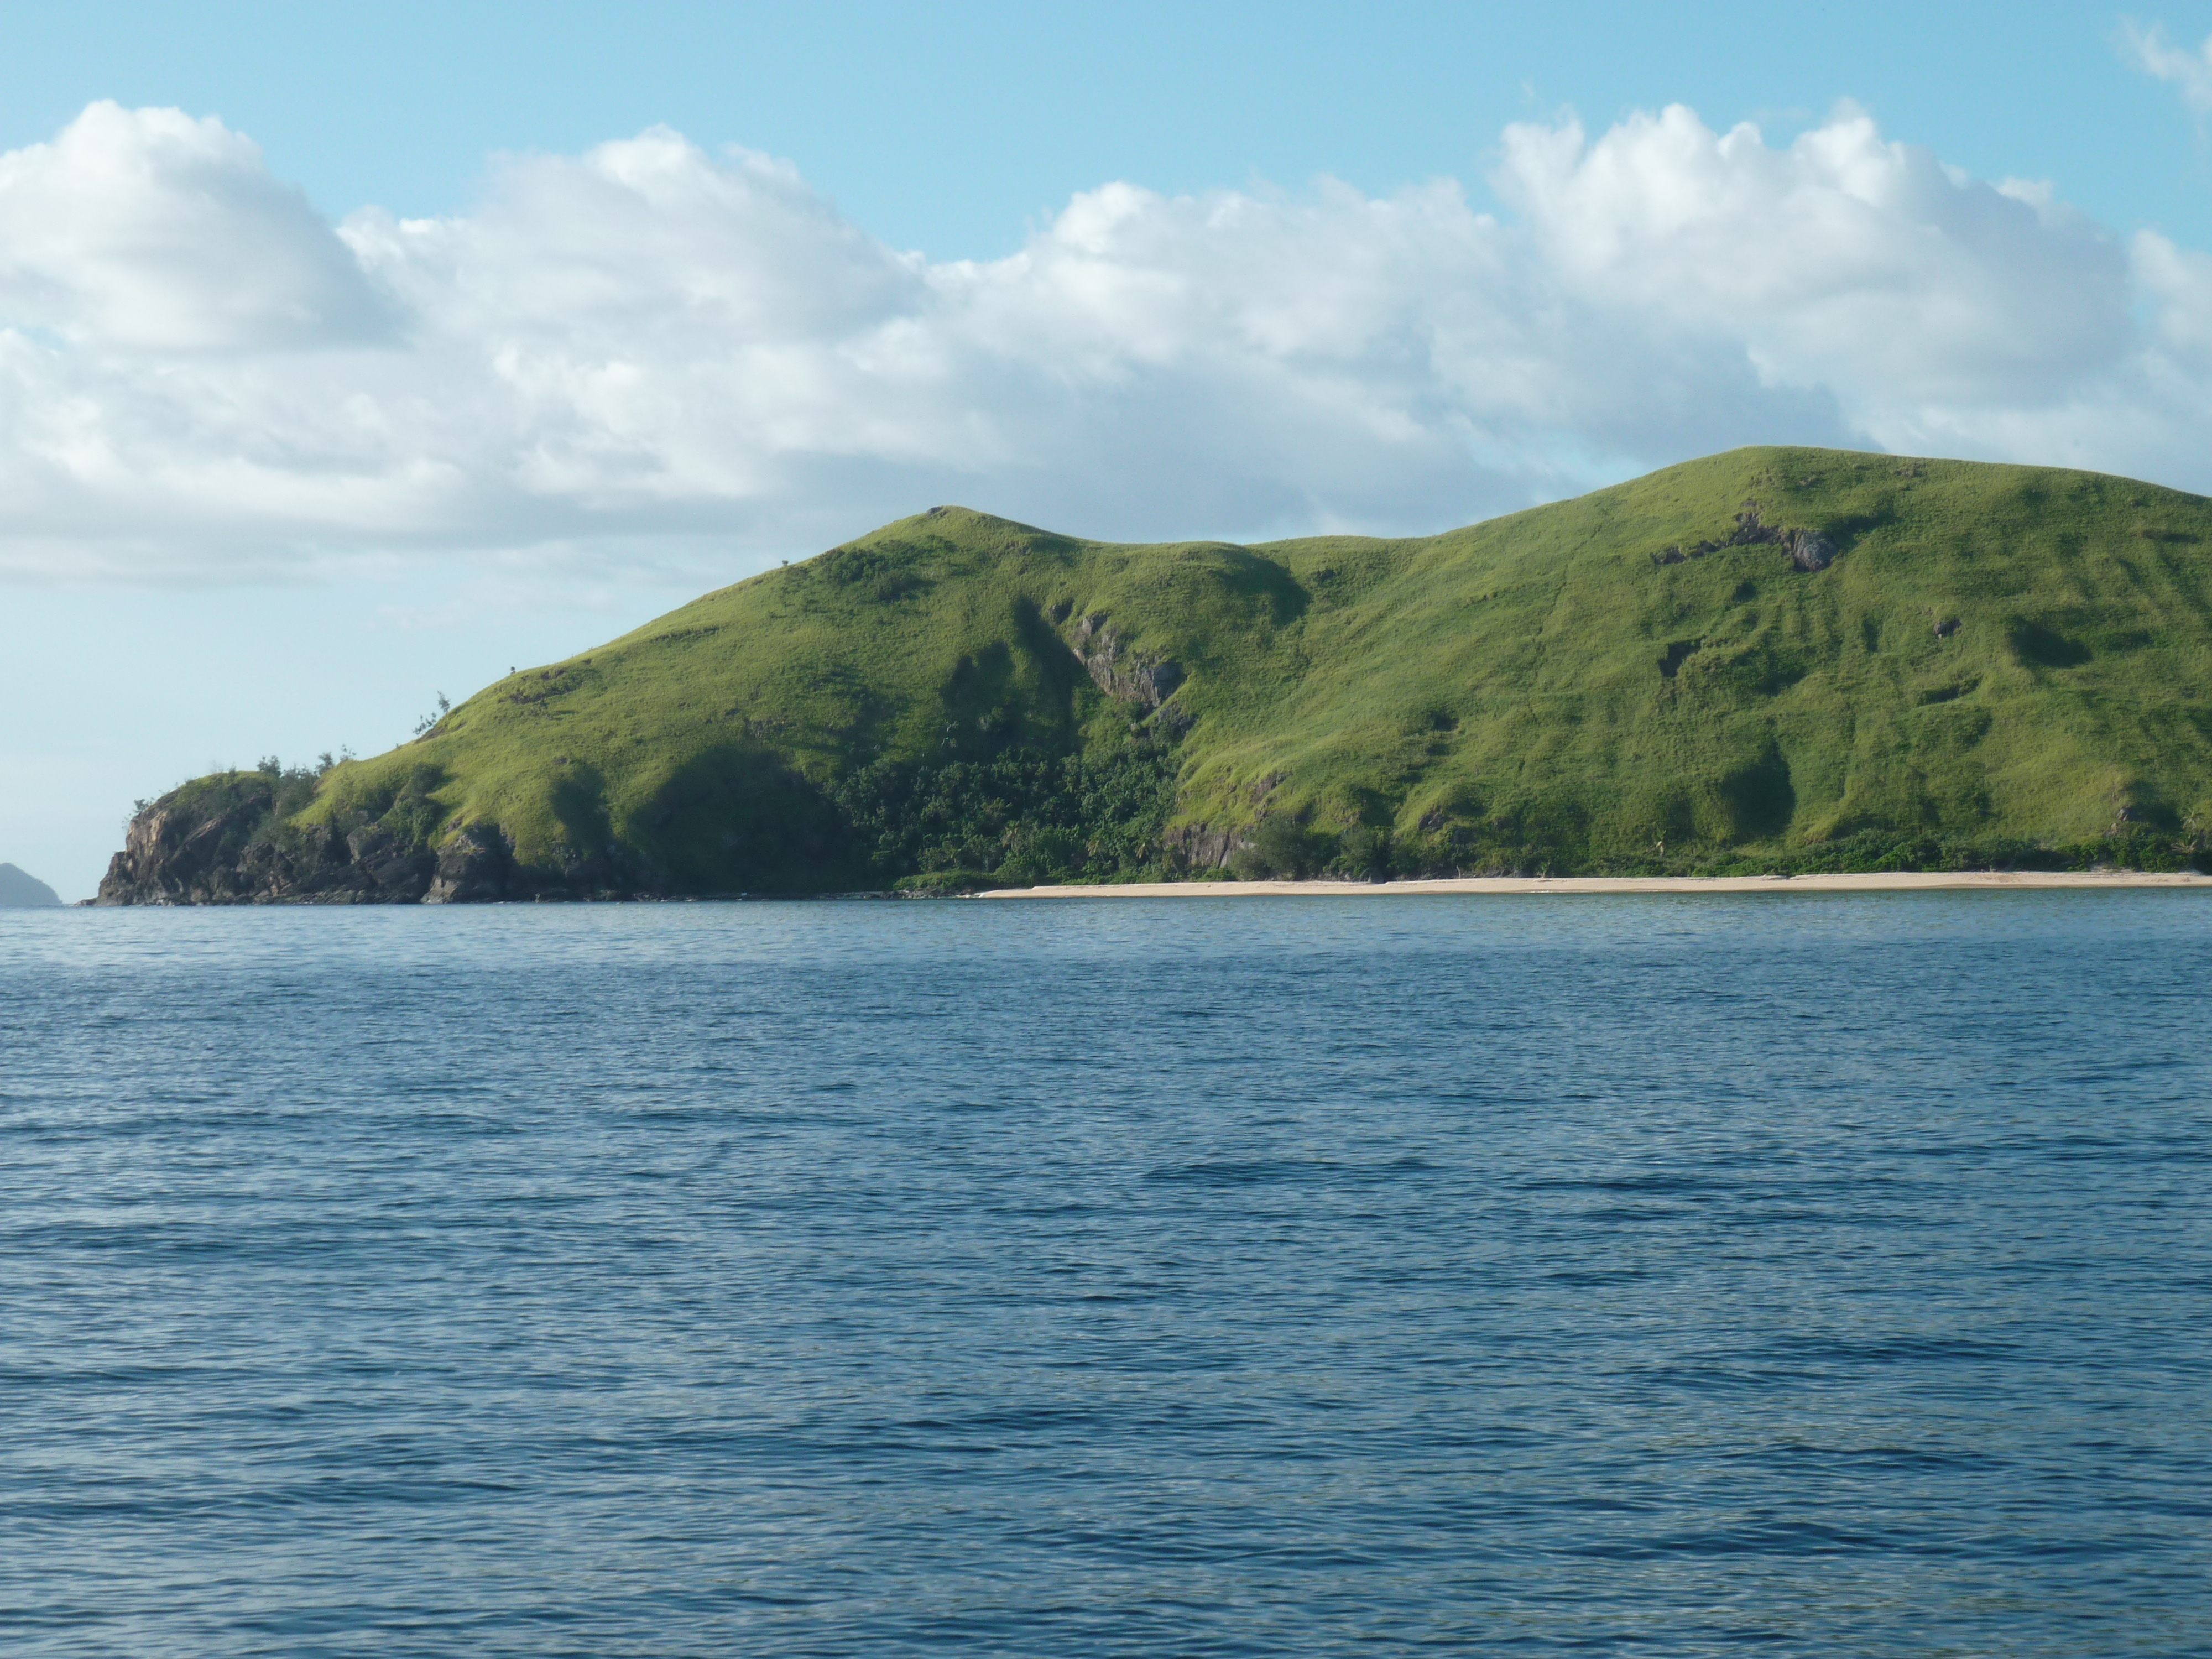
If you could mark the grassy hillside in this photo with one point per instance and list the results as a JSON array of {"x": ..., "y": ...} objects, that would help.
[{"x": 1992, "y": 660}]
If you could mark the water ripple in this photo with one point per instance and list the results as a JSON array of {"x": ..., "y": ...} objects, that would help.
[{"x": 1812, "y": 1273}]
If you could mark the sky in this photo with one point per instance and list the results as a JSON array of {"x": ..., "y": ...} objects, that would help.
[{"x": 351, "y": 356}]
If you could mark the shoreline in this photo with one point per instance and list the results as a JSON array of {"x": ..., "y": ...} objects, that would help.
[{"x": 1886, "y": 882}]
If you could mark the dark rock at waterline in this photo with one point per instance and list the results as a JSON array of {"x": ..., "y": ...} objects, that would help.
[
  {"x": 218, "y": 841},
  {"x": 473, "y": 868},
  {"x": 20, "y": 890}
]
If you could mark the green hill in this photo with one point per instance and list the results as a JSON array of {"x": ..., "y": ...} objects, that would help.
[{"x": 1769, "y": 658}]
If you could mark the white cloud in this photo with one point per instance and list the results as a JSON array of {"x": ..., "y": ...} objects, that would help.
[
  {"x": 148, "y": 230},
  {"x": 647, "y": 354},
  {"x": 2156, "y": 56},
  {"x": 1841, "y": 262}
]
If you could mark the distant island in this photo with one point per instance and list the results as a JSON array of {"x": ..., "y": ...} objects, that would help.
[
  {"x": 1778, "y": 660},
  {"x": 21, "y": 891}
]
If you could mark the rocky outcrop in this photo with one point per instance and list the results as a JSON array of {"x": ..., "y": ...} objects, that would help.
[
  {"x": 214, "y": 843},
  {"x": 1117, "y": 670},
  {"x": 218, "y": 841},
  {"x": 221, "y": 841},
  {"x": 1808, "y": 549},
  {"x": 474, "y": 867},
  {"x": 1200, "y": 846},
  {"x": 188, "y": 846}
]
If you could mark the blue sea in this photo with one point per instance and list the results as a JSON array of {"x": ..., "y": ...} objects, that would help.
[{"x": 1784, "y": 1274}]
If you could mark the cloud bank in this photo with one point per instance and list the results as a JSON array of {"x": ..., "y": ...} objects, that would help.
[{"x": 647, "y": 354}]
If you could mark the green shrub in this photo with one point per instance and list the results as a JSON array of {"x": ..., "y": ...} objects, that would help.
[
  {"x": 942, "y": 883},
  {"x": 1363, "y": 854},
  {"x": 1284, "y": 848}
]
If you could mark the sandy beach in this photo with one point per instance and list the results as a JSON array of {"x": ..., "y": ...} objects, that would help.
[{"x": 1901, "y": 882}]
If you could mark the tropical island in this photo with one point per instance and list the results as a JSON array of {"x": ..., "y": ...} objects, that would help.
[
  {"x": 21, "y": 890},
  {"x": 1773, "y": 661}
]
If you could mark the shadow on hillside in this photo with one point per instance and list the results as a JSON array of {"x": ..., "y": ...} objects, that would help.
[
  {"x": 2036, "y": 646},
  {"x": 1260, "y": 580},
  {"x": 739, "y": 819},
  {"x": 1760, "y": 799},
  {"x": 579, "y": 806},
  {"x": 1011, "y": 692}
]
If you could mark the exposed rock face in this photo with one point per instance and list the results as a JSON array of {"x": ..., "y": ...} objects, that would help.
[
  {"x": 217, "y": 846},
  {"x": 1808, "y": 549},
  {"x": 1201, "y": 845},
  {"x": 215, "y": 842},
  {"x": 377, "y": 867},
  {"x": 473, "y": 868},
  {"x": 185, "y": 848},
  {"x": 1102, "y": 654},
  {"x": 207, "y": 847}
]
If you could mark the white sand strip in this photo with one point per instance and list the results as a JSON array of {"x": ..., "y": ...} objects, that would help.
[{"x": 1959, "y": 881}]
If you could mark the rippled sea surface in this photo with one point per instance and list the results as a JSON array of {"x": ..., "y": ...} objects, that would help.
[{"x": 1794, "y": 1273}]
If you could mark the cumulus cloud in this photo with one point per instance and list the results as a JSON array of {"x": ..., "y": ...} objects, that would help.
[
  {"x": 1841, "y": 262},
  {"x": 147, "y": 229},
  {"x": 647, "y": 353}
]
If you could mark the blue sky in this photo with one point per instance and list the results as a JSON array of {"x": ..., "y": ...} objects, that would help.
[
  {"x": 350, "y": 355},
  {"x": 948, "y": 128}
]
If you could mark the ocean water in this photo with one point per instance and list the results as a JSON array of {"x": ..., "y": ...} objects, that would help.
[{"x": 1791, "y": 1275}]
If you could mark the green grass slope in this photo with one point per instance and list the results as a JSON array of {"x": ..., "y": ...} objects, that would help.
[{"x": 1997, "y": 658}]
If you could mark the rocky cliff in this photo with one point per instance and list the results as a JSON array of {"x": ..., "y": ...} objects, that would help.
[{"x": 223, "y": 840}]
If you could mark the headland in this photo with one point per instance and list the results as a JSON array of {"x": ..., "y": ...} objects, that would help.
[{"x": 1774, "y": 659}]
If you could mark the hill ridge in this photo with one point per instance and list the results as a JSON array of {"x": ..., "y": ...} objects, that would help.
[{"x": 1775, "y": 657}]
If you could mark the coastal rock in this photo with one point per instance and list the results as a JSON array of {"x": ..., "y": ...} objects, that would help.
[
  {"x": 214, "y": 842},
  {"x": 185, "y": 848},
  {"x": 473, "y": 868},
  {"x": 219, "y": 841}
]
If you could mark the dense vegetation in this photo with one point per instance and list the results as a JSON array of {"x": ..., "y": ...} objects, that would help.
[
  {"x": 1022, "y": 817},
  {"x": 401, "y": 802},
  {"x": 1774, "y": 658}
]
